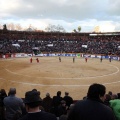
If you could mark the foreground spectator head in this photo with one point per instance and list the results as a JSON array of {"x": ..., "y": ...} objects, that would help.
[
  {"x": 118, "y": 94},
  {"x": 36, "y": 91},
  {"x": 96, "y": 91},
  {"x": 12, "y": 91},
  {"x": 59, "y": 93},
  {"x": 110, "y": 93},
  {"x": 3, "y": 92},
  {"x": 67, "y": 93},
  {"x": 32, "y": 99},
  {"x": 47, "y": 94},
  {"x": 107, "y": 97}
]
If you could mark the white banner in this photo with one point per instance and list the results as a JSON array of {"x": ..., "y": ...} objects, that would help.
[
  {"x": 16, "y": 45},
  {"x": 50, "y": 45},
  {"x": 84, "y": 46}
]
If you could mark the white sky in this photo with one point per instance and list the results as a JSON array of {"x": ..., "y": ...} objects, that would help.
[{"x": 68, "y": 13}]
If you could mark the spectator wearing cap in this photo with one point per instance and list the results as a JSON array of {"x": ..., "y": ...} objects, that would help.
[
  {"x": 32, "y": 102},
  {"x": 37, "y": 91},
  {"x": 68, "y": 99},
  {"x": 13, "y": 104},
  {"x": 47, "y": 103},
  {"x": 41, "y": 107}
]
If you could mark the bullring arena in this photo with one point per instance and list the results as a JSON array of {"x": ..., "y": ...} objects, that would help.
[{"x": 50, "y": 75}]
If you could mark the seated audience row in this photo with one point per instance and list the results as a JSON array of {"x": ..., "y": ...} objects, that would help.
[
  {"x": 94, "y": 44},
  {"x": 97, "y": 105}
]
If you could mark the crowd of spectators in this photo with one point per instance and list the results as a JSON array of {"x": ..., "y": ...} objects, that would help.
[
  {"x": 109, "y": 44},
  {"x": 96, "y": 105}
]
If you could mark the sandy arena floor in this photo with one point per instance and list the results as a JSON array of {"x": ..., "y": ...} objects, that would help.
[{"x": 50, "y": 75}]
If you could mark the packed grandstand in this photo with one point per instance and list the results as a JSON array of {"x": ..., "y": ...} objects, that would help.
[{"x": 49, "y": 42}]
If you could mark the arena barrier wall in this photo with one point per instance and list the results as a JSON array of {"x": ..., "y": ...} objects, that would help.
[{"x": 78, "y": 55}]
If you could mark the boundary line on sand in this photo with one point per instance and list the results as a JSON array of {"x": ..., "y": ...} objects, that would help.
[
  {"x": 69, "y": 78},
  {"x": 27, "y": 83}
]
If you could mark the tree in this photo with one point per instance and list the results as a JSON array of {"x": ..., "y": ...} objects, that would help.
[
  {"x": 60, "y": 28},
  {"x": 11, "y": 26},
  {"x": 31, "y": 28},
  {"x": 97, "y": 29},
  {"x": 18, "y": 27},
  {"x": 50, "y": 28},
  {"x": 1, "y": 26},
  {"x": 54, "y": 28},
  {"x": 79, "y": 28},
  {"x": 74, "y": 30}
]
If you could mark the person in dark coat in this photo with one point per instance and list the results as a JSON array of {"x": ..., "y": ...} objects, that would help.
[
  {"x": 3, "y": 94},
  {"x": 47, "y": 103},
  {"x": 92, "y": 108},
  {"x": 13, "y": 105},
  {"x": 57, "y": 99},
  {"x": 107, "y": 100},
  {"x": 56, "y": 102},
  {"x": 62, "y": 108},
  {"x": 68, "y": 99}
]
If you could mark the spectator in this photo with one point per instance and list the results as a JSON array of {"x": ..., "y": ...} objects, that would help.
[
  {"x": 41, "y": 107},
  {"x": 62, "y": 108},
  {"x": 92, "y": 108},
  {"x": 56, "y": 102},
  {"x": 37, "y": 91},
  {"x": 47, "y": 103},
  {"x": 115, "y": 105},
  {"x": 2, "y": 109},
  {"x": 13, "y": 105},
  {"x": 107, "y": 100},
  {"x": 118, "y": 94},
  {"x": 68, "y": 99},
  {"x": 65, "y": 116},
  {"x": 110, "y": 93},
  {"x": 114, "y": 96},
  {"x": 57, "y": 99},
  {"x": 32, "y": 102}
]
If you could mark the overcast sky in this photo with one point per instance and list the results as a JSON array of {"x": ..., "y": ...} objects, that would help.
[{"x": 69, "y": 13}]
